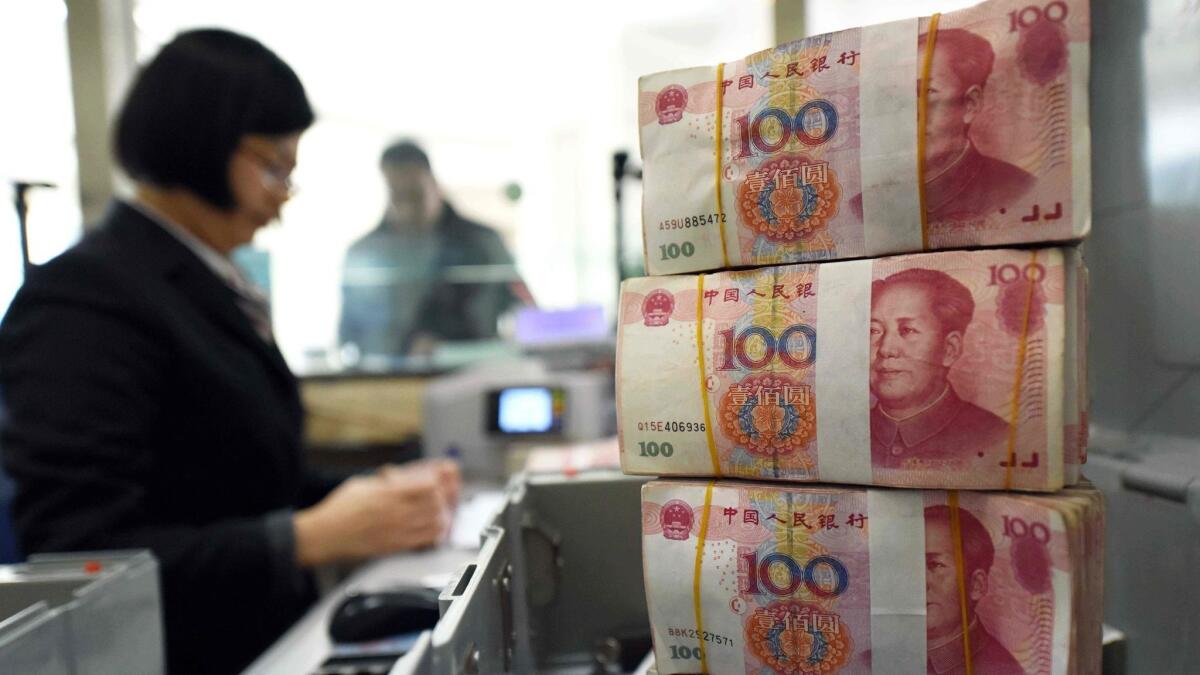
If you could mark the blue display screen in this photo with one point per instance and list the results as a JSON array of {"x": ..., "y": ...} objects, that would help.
[{"x": 525, "y": 410}]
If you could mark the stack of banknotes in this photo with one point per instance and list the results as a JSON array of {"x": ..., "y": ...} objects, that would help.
[
  {"x": 820, "y": 142},
  {"x": 957, "y": 369},
  {"x": 863, "y": 272},
  {"x": 753, "y": 578}
]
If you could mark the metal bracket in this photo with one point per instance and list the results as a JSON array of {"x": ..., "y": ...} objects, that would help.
[
  {"x": 503, "y": 586},
  {"x": 543, "y": 560}
]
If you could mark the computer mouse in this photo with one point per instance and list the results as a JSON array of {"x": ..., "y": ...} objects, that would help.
[{"x": 362, "y": 617}]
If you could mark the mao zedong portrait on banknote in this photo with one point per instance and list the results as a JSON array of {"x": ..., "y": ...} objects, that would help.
[
  {"x": 919, "y": 318},
  {"x": 944, "y": 619},
  {"x": 963, "y": 183}
]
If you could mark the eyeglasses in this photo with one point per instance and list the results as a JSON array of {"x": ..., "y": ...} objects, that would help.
[{"x": 276, "y": 176}]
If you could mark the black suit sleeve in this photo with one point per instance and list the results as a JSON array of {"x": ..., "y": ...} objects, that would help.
[
  {"x": 81, "y": 378},
  {"x": 317, "y": 484}
]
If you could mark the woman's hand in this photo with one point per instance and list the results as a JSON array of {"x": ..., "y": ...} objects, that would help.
[
  {"x": 446, "y": 471},
  {"x": 396, "y": 509}
]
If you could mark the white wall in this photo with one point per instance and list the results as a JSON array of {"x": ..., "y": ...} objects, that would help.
[{"x": 37, "y": 131}]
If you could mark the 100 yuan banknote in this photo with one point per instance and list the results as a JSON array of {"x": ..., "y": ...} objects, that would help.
[
  {"x": 818, "y": 142},
  {"x": 957, "y": 369},
  {"x": 796, "y": 580}
]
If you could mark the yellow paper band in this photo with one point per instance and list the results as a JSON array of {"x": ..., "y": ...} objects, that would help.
[
  {"x": 717, "y": 172},
  {"x": 1015, "y": 415},
  {"x": 956, "y": 533},
  {"x": 696, "y": 600},
  {"x": 708, "y": 430},
  {"x": 922, "y": 119}
]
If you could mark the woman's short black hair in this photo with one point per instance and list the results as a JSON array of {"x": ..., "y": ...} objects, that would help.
[{"x": 190, "y": 106}]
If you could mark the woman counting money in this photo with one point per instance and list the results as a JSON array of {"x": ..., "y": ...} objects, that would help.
[{"x": 147, "y": 405}]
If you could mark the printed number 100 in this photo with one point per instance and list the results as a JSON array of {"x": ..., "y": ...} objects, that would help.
[
  {"x": 652, "y": 449},
  {"x": 678, "y": 652},
  {"x": 672, "y": 251},
  {"x": 1031, "y": 14}
]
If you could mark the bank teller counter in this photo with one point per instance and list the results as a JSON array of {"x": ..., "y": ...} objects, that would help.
[
  {"x": 306, "y": 648},
  {"x": 357, "y": 421},
  {"x": 369, "y": 410}
]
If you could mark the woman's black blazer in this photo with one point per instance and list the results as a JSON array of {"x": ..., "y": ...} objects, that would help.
[{"x": 143, "y": 411}]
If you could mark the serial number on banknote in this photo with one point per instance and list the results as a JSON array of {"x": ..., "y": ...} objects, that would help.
[
  {"x": 687, "y": 222},
  {"x": 706, "y": 636},
  {"x": 673, "y": 426}
]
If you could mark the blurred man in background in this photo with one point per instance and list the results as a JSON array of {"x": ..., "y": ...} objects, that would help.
[{"x": 425, "y": 274}]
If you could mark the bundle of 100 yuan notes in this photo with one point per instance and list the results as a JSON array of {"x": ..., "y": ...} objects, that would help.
[
  {"x": 968, "y": 129},
  {"x": 955, "y": 369},
  {"x": 802, "y": 580}
]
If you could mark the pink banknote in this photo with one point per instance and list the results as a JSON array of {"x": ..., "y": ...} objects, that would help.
[
  {"x": 796, "y": 580},
  {"x": 952, "y": 370},
  {"x": 823, "y": 154}
]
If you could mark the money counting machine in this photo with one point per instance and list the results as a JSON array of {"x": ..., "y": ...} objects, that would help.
[{"x": 481, "y": 413}]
